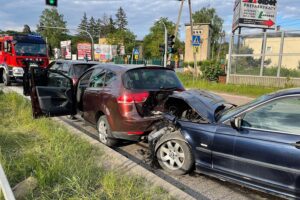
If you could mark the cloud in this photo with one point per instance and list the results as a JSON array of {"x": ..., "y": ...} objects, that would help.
[{"x": 141, "y": 13}]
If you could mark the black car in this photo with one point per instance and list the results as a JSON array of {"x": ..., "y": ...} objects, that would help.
[
  {"x": 255, "y": 145},
  {"x": 71, "y": 68}
]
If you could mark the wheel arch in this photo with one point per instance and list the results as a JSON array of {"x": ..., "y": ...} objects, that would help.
[{"x": 98, "y": 115}]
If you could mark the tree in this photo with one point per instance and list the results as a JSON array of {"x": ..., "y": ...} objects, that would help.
[
  {"x": 26, "y": 29},
  {"x": 51, "y": 18},
  {"x": 84, "y": 25},
  {"x": 209, "y": 15},
  {"x": 106, "y": 25},
  {"x": 92, "y": 28},
  {"x": 122, "y": 37},
  {"x": 121, "y": 20},
  {"x": 156, "y": 37}
]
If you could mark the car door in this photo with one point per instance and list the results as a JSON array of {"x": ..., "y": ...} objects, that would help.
[
  {"x": 200, "y": 137},
  {"x": 92, "y": 97},
  {"x": 223, "y": 149},
  {"x": 267, "y": 150},
  {"x": 51, "y": 92}
]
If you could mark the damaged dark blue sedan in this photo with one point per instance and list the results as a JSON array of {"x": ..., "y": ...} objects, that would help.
[{"x": 256, "y": 145}]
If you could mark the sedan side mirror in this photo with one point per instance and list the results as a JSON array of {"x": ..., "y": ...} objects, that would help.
[{"x": 236, "y": 123}]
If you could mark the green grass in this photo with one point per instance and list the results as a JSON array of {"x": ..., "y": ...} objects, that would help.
[
  {"x": 64, "y": 165},
  {"x": 245, "y": 90}
]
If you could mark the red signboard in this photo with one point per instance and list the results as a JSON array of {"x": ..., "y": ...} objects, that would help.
[{"x": 83, "y": 50}]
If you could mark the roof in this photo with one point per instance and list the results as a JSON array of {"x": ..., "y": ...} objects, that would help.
[
  {"x": 125, "y": 67},
  {"x": 285, "y": 92}
]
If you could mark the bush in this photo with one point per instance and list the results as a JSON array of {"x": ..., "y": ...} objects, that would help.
[{"x": 211, "y": 70}]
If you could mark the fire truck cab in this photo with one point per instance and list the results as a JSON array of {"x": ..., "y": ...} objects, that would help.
[{"x": 15, "y": 50}]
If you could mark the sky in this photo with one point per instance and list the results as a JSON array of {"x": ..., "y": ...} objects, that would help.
[{"x": 141, "y": 13}]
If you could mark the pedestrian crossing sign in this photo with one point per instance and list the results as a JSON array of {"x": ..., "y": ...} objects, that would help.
[{"x": 196, "y": 40}]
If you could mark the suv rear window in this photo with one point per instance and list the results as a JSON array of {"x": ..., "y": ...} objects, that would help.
[{"x": 151, "y": 78}]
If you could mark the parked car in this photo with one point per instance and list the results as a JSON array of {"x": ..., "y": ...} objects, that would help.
[
  {"x": 72, "y": 68},
  {"x": 123, "y": 102},
  {"x": 256, "y": 145}
]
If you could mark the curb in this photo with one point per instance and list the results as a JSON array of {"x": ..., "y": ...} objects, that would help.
[{"x": 118, "y": 161}]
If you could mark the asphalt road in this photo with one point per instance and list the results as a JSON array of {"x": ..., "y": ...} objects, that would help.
[{"x": 197, "y": 185}]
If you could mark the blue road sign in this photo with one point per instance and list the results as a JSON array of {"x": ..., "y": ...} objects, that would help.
[
  {"x": 136, "y": 52},
  {"x": 196, "y": 40}
]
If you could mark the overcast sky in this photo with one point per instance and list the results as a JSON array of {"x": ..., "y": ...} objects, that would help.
[{"x": 141, "y": 13}]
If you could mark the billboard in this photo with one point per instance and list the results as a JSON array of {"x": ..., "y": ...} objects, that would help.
[
  {"x": 255, "y": 14},
  {"x": 104, "y": 52},
  {"x": 65, "y": 47},
  {"x": 84, "y": 49}
]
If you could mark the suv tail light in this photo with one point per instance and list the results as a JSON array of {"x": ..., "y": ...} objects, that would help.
[{"x": 130, "y": 98}]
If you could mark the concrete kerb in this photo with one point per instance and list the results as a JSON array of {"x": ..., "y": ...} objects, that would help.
[{"x": 117, "y": 161}]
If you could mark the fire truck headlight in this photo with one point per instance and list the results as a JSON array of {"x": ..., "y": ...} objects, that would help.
[{"x": 18, "y": 71}]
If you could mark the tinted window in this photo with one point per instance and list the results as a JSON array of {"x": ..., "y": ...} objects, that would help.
[
  {"x": 151, "y": 79},
  {"x": 85, "y": 79},
  {"x": 98, "y": 78},
  {"x": 29, "y": 49},
  {"x": 281, "y": 115},
  {"x": 78, "y": 69},
  {"x": 110, "y": 77},
  {"x": 57, "y": 66}
]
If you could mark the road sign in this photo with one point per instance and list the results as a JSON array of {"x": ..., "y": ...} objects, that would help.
[
  {"x": 136, "y": 57},
  {"x": 255, "y": 14},
  {"x": 196, "y": 40},
  {"x": 136, "y": 52}
]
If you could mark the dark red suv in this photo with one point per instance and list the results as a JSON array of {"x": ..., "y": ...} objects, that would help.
[{"x": 123, "y": 102}]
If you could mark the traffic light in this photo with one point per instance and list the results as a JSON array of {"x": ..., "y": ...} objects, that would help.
[
  {"x": 51, "y": 3},
  {"x": 162, "y": 48},
  {"x": 171, "y": 42}
]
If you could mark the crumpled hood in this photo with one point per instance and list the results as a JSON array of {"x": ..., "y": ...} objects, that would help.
[{"x": 203, "y": 102}]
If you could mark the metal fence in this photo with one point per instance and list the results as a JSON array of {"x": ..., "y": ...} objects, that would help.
[
  {"x": 5, "y": 188},
  {"x": 265, "y": 59}
]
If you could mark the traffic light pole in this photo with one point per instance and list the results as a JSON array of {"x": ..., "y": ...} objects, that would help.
[
  {"x": 76, "y": 29},
  {"x": 166, "y": 45},
  {"x": 192, "y": 32}
]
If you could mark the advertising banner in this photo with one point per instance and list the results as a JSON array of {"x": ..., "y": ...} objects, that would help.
[
  {"x": 255, "y": 14},
  {"x": 65, "y": 47},
  {"x": 83, "y": 50},
  {"x": 104, "y": 52}
]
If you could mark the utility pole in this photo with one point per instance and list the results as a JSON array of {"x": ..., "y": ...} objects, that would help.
[
  {"x": 178, "y": 19},
  {"x": 192, "y": 32}
]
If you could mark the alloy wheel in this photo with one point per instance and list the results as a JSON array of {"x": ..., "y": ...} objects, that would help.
[
  {"x": 102, "y": 129},
  {"x": 172, "y": 155}
]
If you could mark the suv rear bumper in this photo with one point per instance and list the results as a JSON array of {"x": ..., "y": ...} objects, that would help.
[{"x": 133, "y": 130}]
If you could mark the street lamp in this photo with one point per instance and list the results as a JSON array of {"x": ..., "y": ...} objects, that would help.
[
  {"x": 166, "y": 42},
  {"x": 76, "y": 29}
]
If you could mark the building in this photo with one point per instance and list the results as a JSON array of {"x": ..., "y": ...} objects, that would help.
[
  {"x": 291, "y": 45},
  {"x": 203, "y": 53}
]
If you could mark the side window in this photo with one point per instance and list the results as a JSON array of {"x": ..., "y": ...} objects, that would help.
[
  {"x": 1, "y": 46},
  {"x": 58, "y": 80},
  {"x": 65, "y": 68},
  {"x": 98, "y": 78},
  {"x": 9, "y": 47},
  {"x": 84, "y": 81},
  {"x": 280, "y": 115},
  {"x": 57, "y": 66},
  {"x": 110, "y": 77}
]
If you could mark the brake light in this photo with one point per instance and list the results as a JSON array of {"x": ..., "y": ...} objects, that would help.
[{"x": 129, "y": 98}]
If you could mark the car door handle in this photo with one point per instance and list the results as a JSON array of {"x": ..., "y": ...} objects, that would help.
[{"x": 297, "y": 145}]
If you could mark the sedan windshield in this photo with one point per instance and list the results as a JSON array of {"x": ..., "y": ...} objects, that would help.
[
  {"x": 30, "y": 49},
  {"x": 230, "y": 112}
]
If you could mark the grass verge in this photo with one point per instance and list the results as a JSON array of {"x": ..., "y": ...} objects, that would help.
[
  {"x": 63, "y": 164},
  {"x": 244, "y": 90}
]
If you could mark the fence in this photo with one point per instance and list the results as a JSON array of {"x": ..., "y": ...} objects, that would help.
[
  {"x": 269, "y": 58},
  {"x": 4, "y": 186}
]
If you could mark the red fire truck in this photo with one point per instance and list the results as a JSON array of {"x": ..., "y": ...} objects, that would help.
[{"x": 15, "y": 50}]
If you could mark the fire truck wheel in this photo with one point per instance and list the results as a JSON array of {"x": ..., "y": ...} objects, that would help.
[{"x": 5, "y": 79}]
